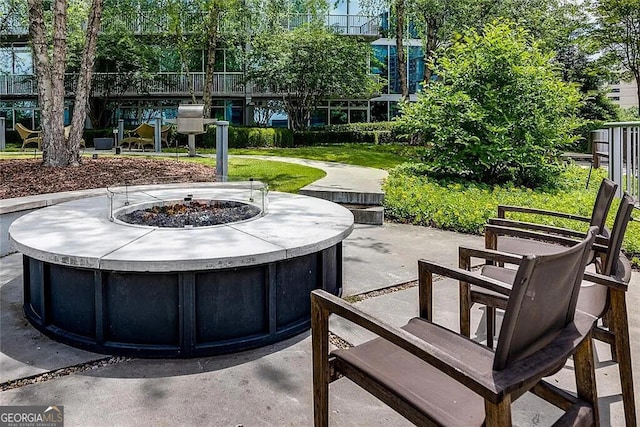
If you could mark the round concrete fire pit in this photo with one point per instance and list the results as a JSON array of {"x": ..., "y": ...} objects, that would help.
[{"x": 98, "y": 283}]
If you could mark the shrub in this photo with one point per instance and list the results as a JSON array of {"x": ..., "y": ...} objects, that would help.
[
  {"x": 370, "y": 133},
  {"x": 412, "y": 196},
  {"x": 498, "y": 112},
  {"x": 244, "y": 137}
]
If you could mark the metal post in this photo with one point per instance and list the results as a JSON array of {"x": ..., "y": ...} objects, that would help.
[
  {"x": 222, "y": 150},
  {"x": 192, "y": 144},
  {"x": 615, "y": 158},
  {"x": 3, "y": 139},
  {"x": 157, "y": 142},
  {"x": 120, "y": 130}
]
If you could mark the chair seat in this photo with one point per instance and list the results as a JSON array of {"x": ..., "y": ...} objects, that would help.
[
  {"x": 515, "y": 245},
  {"x": 590, "y": 300},
  {"x": 423, "y": 386}
]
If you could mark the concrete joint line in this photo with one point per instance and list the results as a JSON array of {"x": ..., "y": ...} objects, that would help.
[{"x": 62, "y": 372}]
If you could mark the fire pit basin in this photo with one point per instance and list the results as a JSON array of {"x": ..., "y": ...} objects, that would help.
[{"x": 117, "y": 288}]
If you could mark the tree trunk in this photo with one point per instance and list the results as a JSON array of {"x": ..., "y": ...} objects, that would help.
[
  {"x": 50, "y": 76},
  {"x": 212, "y": 42},
  {"x": 402, "y": 60},
  {"x": 56, "y": 150},
  {"x": 430, "y": 47},
  {"x": 83, "y": 87},
  {"x": 638, "y": 89}
]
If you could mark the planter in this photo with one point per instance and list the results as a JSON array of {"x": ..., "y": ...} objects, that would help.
[{"x": 103, "y": 143}]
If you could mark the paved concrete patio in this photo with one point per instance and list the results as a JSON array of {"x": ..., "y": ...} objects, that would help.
[{"x": 268, "y": 386}]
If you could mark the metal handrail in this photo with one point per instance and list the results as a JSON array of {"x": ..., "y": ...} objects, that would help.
[{"x": 623, "y": 140}]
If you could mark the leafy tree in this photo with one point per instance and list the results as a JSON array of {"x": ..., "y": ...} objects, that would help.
[
  {"x": 123, "y": 62},
  {"x": 307, "y": 65},
  {"x": 620, "y": 33},
  {"x": 50, "y": 58},
  {"x": 11, "y": 13},
  {"x": 499, "y": 112},
  {"x": 212, "y": 24},
  {"x": 438, "y": 20}
]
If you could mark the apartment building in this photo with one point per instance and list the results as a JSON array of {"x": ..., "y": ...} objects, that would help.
[
  {"x": 624, "y": 94},
  {"x": 160, "y": 93}
]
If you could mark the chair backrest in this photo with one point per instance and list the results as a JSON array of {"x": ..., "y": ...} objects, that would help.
[
  {"x": 542, "y": 302},
  {"x": 594, "y": 298},
  {"x": 605, "y": 196},
  {"x": 145, "y": 131},
  {"x": 609, "y": 268},
  {"x": 23, "y": 131}
]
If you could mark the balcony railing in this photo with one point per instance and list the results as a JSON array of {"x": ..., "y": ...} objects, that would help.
[
  {"x": 622, "y": 139},
  {"x": 169, "y": 84},
  {"x": 151, "y": 23}
]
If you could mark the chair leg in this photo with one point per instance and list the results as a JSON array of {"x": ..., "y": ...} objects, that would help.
[
  {"x": 320, "y": 348},
  {"x": 464, "y": 262},
  {"x": 585, "y": 374},
  {"x": 491, "y": 325},
  {"x": 425, "y": 292},
  {"x": 498, "y": 414},
  {"x": 465, "y": 310},
  {"x": 619, "y": 324}
]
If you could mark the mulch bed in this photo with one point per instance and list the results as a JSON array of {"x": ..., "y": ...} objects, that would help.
[{"x": 26, "y": 177}]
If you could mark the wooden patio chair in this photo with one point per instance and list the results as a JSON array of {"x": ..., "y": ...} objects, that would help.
[
  {"x": 602, "y": 293},
  {"x": 29, "y": 136},
  {"x": 138, "y": 137},
  {"x": 433, "y": 376},
  {"x": 601, "y": 207}
]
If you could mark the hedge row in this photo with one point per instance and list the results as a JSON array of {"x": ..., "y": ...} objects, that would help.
[{"x": 247, "y": 137}]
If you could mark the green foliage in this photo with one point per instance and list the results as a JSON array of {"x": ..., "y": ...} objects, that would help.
[
  {"x": 243, "y": 137},
  {"x": 619, "y": 33},
  {"x": 411, "y": 196},
  {"x": 260, "y": 137},
  {"x": 370, "y": 133},
  {"x": 498, "y": 112},
  {"x": 631, "y": 114},
  {"x": 308, "y": 64}
]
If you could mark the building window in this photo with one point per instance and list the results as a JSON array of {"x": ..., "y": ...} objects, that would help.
[
  {"x": 379, "y": 111},
  {"x": 614, "y": 98},
  {"x": 615, "y": 90}
]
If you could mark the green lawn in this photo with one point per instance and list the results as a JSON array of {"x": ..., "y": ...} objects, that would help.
[
  {"x": 280, "y": 176},
  {"x": 370, "y": 155}
]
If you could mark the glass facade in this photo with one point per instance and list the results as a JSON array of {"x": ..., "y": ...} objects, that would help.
[
  {"x": 385, "y": 65},
  {"x": 161, "y": 96},
  {"x": 16, "y": 60}
]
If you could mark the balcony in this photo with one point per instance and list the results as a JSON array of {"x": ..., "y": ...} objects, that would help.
[
  {"x": 160, "y": 84},
  {"x": 151, "y": 23}
]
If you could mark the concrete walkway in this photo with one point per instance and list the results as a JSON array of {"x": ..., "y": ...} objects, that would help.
[{"x": 270, "y": 386}]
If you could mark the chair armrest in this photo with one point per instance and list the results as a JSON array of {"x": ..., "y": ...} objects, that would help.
[
  {"x": 465, "y": 254},
  {"x": 502, "y": 209},
  {"x": 498, "y": 230},
  {"x": 600, "y": 239},
  {"x": 460, "y": 274},
  {"x": 609, "y": 281},
  {"x": 536, "y": 227}
]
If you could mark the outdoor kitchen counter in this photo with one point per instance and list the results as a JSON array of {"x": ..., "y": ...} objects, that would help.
[{"x": 80, "y": 234}]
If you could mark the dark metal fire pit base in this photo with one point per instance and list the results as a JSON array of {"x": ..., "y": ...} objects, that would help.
[
  {"x": 116, "y": 288},
  {"x": 177, "y": 314}
]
